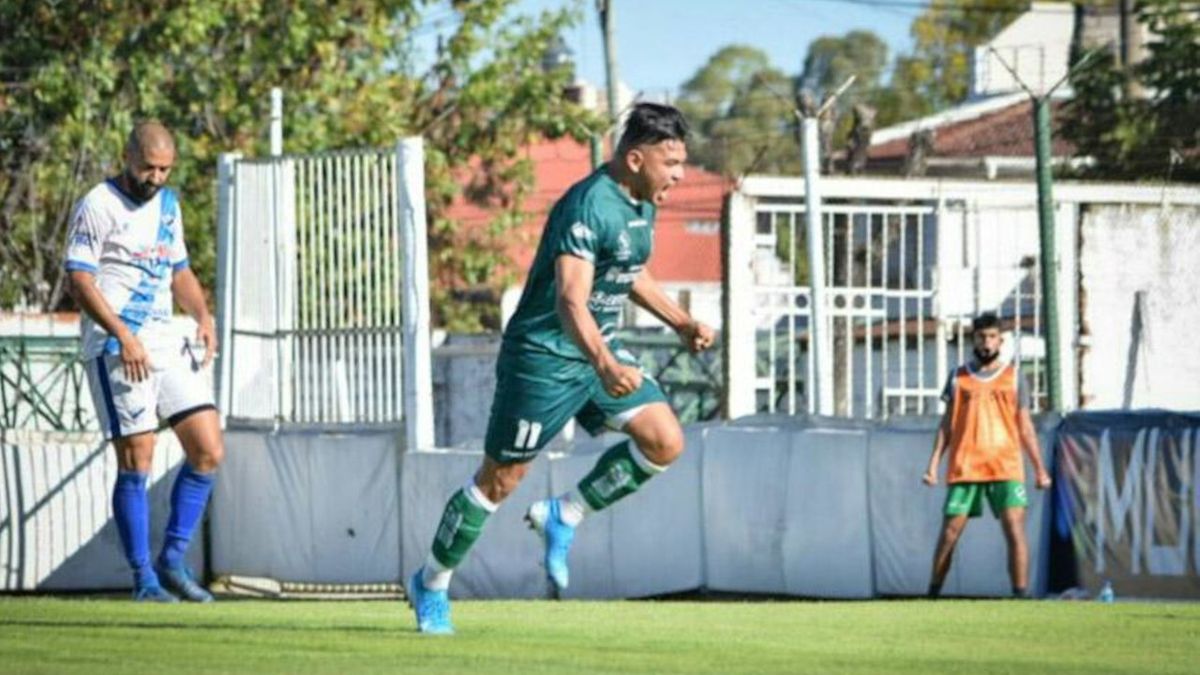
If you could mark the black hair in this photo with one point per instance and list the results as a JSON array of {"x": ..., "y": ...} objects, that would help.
[
  {"x": 650, "y": 123},
  {"x": 985, "y": 320}
]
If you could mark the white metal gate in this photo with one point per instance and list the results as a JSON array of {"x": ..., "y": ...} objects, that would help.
[
  {"x": 908, "y": 265},
  {"x": 880, "y": 296},
  {"x": 323, "y": 287}
]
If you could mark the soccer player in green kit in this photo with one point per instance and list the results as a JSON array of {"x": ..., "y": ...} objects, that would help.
[{"x": 560, "y": 359}]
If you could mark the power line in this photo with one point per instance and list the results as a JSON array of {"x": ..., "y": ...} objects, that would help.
[{"x": 964, "y": 7}]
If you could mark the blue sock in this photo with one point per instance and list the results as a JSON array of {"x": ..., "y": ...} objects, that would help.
[
  {"x": 131, "y": 510},
  {"x": 189, "y": 496}
]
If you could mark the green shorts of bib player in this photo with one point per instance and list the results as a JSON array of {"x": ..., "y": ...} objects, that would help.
[
  {"x": 966, "y": 499},
  {"x": 537, "y": 394}
]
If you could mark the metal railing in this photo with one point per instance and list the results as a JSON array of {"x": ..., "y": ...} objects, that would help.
[{"x": 43, "y": 385}]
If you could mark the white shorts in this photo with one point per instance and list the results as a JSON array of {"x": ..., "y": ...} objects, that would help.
[{"x": 177, "y": 387}]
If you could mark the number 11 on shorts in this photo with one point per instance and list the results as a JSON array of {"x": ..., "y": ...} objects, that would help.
[{"x": 527, "y": 434}]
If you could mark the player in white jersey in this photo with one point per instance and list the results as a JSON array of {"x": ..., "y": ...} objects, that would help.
[{"x": 127, "y": 261}]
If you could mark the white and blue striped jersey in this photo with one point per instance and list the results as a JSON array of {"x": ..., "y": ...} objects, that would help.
[{"x": 133, "y": 249}]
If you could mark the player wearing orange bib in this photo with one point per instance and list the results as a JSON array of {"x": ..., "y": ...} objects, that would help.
[{"x": 985, "y": 425}]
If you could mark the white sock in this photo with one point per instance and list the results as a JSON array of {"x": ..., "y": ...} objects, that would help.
[
  {"x": 573, "y": 507},
  {"x": 434, "y": 577},
  {"x": 476, "y": 495},
  {"x": 643, "y": 461}
]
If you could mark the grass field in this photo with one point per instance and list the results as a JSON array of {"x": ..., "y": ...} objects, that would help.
[{"x": 92, "y": 636}]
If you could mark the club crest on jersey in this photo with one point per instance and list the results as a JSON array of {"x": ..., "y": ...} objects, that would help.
[{"x": 624, "y": 248}]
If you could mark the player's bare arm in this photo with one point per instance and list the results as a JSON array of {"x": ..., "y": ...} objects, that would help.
[
  {"x": 646, "y": 293},
  {"x": 134, "y": 357},
  {"x": 190, "y": 296},
  {"x": 939, "y": 447},
  {"x": 573, "y": 279},
  {"x": 1029, "y": 441}
]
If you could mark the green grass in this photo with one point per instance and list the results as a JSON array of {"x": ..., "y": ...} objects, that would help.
[{"x": 80, "y": 635}]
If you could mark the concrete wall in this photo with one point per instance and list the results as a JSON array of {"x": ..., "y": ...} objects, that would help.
[{"x": 1139, "y": 307}]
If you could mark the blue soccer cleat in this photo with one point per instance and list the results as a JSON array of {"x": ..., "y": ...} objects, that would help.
[
  {"x": 153, "y": 593},
  {"x": 181, "y": 582},
  {"x": 432, "y": 607},
  {"x": 545, "y": 518}
]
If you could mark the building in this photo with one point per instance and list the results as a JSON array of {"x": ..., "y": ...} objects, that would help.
[
  {"x": 991, "y": 135},
  {"x": 687, "y": 244}
]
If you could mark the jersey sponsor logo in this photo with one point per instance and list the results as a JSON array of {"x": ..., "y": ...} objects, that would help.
[
  {"x": 600, "y": 301},
  {"x": 82, "y": 238},
  {"x": 618, "y": 275},
  {"x": 639, "y": 222}
]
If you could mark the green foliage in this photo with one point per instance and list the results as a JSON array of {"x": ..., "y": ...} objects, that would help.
[
  {"x": 76, "y": 76},
  {"x": 833, "y": 59},
  {"x": 1152, "y": 135},
  {"x": 741, "y": 113}
]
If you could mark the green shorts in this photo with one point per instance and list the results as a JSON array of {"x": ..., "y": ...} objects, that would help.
[
  {"x": 967, "y": 498},
  {"x": 537, "y": 394}
]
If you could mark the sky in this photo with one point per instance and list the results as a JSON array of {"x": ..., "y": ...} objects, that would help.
[{"x": 661, "y": 43}]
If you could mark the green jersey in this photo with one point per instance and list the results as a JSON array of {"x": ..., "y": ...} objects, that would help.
[{"x": 599, "y": 222}]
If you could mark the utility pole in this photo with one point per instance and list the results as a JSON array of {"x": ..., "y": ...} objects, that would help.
[
  {"x": 1049, "y": 252},
  {"x": 607, "y": 32},
  {"x": 818, "y": 324},
  {"x": 276, "y": 121},
  {"x": 608, "y": 27},
  {"x": 1049, "y": 255},
  {"x": 1131, "y": 46}
]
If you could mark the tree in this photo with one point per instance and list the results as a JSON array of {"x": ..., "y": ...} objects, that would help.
[
  {"x": 76, "y": 76},
  {"x": 829, "y": 62},
  {"x": 937, "y": 74},
  {"x": 832, "y": 59},
  {"x": 741, "y": 113},
  {"x": 1155, "y": 136}
]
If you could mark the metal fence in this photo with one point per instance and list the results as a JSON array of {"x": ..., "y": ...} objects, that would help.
[
  {"x": 324, "y": 287},
  {"x": 880, "y": 294},
  {"x": 908, "y": 265}
]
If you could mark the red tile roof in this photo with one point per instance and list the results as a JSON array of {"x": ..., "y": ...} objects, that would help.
[
  {"x": 687, "y": 243},
  {"x": 1007, "y": 132}
]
